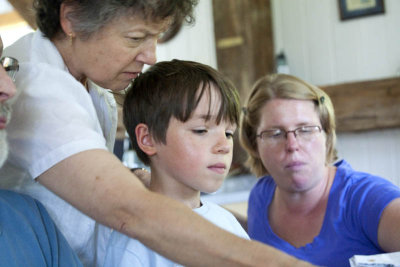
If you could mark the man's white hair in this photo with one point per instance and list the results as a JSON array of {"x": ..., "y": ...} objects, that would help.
[{"x": 3, "y": 147}]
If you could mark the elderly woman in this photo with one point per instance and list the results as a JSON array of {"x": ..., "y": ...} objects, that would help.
[
  {"x": 304, "y": 204},
  {"x": 64, "y": 124},
  {"x": 28, "y": 235}
]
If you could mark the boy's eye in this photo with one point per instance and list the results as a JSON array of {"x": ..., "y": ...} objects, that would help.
[
  {"x": 229, "y": 134},
  {"x": 199, "y": 131}
]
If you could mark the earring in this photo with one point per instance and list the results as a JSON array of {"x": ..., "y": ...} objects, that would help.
[{"x": 71, "y": 37}]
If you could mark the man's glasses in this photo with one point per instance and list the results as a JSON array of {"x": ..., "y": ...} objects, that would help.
[
  {"x": 11, "y": 66},
  {"x": 278, "y": 136}
]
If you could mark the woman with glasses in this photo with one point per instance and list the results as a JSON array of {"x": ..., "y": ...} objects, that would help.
[{"x": 304, "y": 203}]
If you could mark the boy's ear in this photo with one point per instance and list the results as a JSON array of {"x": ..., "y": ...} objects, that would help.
[
  {"x": 65, "y": 22},
  {"x": 144, "y": 139}
]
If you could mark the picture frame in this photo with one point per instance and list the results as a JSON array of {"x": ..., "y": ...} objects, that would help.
[{"x": 351, "y": 9}]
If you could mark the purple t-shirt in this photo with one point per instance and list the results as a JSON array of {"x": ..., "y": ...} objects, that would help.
[{"x": 350, "y": 227}]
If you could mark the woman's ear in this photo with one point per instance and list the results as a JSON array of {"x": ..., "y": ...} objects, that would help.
[
  {"x": 145, "y": 140},
  {"x": 65, "y": 22}
]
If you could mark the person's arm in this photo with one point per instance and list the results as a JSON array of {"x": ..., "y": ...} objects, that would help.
[
  {"x": 99, "y": 185},
  {"x": 388, "y": 229}
]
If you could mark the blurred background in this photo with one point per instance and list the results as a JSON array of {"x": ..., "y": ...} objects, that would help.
[{"x": 350, "y": 48}]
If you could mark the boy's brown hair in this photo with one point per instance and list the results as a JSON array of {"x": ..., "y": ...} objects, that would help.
[{"x": 174, "y": 89}]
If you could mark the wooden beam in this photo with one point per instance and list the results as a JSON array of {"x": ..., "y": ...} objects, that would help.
[
  {"x": 10, "y": 18},
  {"x": 244, "y": 41},
  {"x": 25, "y": 10},
  {"x": 366, "y": 105},
  {"x": 244, "y": 44}
]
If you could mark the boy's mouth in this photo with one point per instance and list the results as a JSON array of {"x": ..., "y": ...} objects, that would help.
[{"x": 218, "y": 168}]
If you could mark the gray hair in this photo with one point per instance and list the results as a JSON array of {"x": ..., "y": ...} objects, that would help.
[{"x": 89, "y": 16}]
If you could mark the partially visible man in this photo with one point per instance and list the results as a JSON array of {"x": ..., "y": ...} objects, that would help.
[{"x": 28, "y": 236}]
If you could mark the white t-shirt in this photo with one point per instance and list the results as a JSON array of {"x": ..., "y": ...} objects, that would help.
[
  {"x": 123, "y": 251},
  {"x": 53, "y": 118}
]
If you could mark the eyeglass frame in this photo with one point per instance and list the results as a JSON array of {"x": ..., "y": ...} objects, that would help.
[
  {"x": 11, "y": 66},
  {"x": 295, "y": 132}
]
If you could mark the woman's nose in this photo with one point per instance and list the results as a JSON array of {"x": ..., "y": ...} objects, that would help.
[
  {"x": 148, "y": 54},
  {"x": 291, "y": 141}
]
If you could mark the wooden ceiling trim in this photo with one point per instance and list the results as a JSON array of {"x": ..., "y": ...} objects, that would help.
[
  {"x": 366, "y": 105},
  {"x": 25, "y": 10},
  {"x": 10, "y": 18}
]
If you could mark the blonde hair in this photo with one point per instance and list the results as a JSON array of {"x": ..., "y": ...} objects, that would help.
[{"x": 282, "y": 86}]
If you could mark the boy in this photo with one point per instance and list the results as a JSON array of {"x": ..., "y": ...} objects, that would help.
[{"x": 181, "y": 117}]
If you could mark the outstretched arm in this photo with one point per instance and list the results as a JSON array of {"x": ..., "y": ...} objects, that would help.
[
  {"x": 388, "y": 229},
  {"x": 97, "y": 183}
]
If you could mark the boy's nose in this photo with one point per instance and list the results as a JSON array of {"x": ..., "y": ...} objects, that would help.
[{"x": 223, "y": 146}]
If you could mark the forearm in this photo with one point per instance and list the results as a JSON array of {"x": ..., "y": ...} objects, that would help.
[
  {"x": 177, "y": 232},
  {"x": 100, "y": 186}
]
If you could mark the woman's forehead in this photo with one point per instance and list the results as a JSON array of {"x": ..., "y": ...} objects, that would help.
[
  {"x": 279, "y": 110},
  {"x": 137, "y": 21}
]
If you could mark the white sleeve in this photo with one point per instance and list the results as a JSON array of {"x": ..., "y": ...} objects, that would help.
[{"x": 53, "y": 118}]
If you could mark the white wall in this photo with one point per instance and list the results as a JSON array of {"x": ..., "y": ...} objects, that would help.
[
  {"x": 5, "y": 6},
  {"x": 197, "y": 42},
  {"x": 376, "y": 152},
  {"x": 322, "y": 49},
  {"x": 10, "y": 34}
]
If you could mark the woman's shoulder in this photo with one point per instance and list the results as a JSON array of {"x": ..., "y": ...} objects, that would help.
[
  {"x": 355, "y": 178},
  {"x": 39, "y": 60},
  {"x": 357, "y": 184},
  {"x": 265, "y": 183},
  {"x": 36, "y": 49},
  {"x": 262, "y": 191}
]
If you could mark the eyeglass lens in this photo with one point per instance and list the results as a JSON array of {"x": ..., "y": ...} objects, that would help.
[{"x": 11, "y": 66}]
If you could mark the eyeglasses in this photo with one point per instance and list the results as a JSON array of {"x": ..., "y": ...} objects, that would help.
[
  {"x": 277, "y": 136},
  {"x": 11, "y": 66}
]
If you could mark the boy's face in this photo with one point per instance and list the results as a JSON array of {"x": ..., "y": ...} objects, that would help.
[{"x": 198, "y": 153}]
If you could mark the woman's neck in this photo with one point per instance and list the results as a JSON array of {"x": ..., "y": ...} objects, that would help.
[
  {"x": 65, "y": 48},
  {"x": 309, "y": 201}
]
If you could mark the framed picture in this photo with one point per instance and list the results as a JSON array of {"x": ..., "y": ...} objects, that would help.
[{"x": 350, "y": 9}]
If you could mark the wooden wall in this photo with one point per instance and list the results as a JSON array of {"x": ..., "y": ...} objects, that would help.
[
  {"x": 25, "y": 10},
  {"x": 366, "y": 105},
  {"x": 244, "y": 48}
]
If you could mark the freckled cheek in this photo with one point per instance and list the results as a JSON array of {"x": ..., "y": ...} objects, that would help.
[
  {"x": 185, "y": 162},
  {"x": 192, "y": 152}
]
